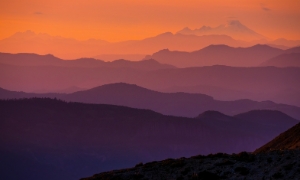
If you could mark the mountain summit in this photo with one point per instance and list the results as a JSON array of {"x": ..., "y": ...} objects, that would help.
[{"x": 233, "y": 28}]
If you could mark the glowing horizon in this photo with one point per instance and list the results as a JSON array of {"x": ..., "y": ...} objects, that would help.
[{"x": 119, "y": 20}]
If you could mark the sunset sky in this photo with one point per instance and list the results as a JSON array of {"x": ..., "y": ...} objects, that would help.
[{"x": 118, "y": 20}]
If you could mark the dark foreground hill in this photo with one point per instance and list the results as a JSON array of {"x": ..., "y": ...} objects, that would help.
[
  {"x": 278, "y": 159},
  {"x": 51, "y": 139},
  {"x": 289, "y": 139},
  {"x": 271, "y": 165}
]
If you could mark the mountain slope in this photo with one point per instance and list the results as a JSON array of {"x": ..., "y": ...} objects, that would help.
[
  {"x": 271, "y": 165},
  {"x": 289, "y": 139},
  {"x": 284, "y": 60}
]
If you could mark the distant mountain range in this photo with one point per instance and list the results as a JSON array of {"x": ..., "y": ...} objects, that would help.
[
  {"x": 233, "y": 28},
  {"x": 25, "y": 59},
  {"x": 44, "y": 138},
  {"x": 280, "y": 85},
  {"x": 221, "y": 55},
  {"x": 233, "y": 34},
  {"x": 176, "y": 104},
  {"x": 30, "y": 42}
]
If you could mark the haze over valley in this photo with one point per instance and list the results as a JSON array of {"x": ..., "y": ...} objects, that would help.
[{"x": 179, "y": 90}]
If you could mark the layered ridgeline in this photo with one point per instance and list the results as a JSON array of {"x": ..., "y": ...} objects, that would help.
[
  {"x": 176, "y": 104},
  {"x": 280, "y": 85},
  {"x": 226, "y": 55},
  {"x": 234, "y": 34},
  {"x": 278, "y": 159},
  {"x": 208, "y": 56},
  {"x": 31, "y": 42},
  {"x": 25, "y": 59},
  {"x": 52, "y": 139}
]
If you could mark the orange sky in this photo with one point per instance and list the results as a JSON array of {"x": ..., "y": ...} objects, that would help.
[{"x": 117, "y": 20}]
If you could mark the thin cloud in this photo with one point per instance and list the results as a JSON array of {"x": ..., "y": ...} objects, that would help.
[
  {"x": 38, "y": 13},
  {"x": 264, "y": 7},
  {"x": 232, "y": 17}
]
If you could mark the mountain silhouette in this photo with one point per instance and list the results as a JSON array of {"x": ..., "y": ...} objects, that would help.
[
  {"x": 215, "y": 115},
  {"x": 292, "y": 50},
  {"x": 69, "y": 138},
  {"x": 218, "y": 55},
  {"x": 30, "y": 42},
  {"x": 284, "y": 60},
  {"x": 112, "y": 57},
  {"x": 280, "y": 85},
  {"x": 173, "y": 42},
  {"x": 270, "y": 165},
  {"x": 67, "y": 48},
  {"x": 233, "y": 28},
  {"x": 270, "y": 117},
  {"x": 42, "y": 43},
  {"x": 177, "y": 104},
  {"x": 25, "y": 59},
  {"x": 289, "y": 139}
]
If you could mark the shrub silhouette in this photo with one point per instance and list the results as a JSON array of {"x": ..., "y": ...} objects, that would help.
[
  {"x": 205, "y": 175},
  {"x": 242, "y": 170},
  {"x": 278, "y": 175}
]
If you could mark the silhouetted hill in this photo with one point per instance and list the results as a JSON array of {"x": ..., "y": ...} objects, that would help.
[
  {"x": 214, "y": 115},
  {"x": 268, "y": 117},
  {"x": 271, "y": 165},
  {"x": 47, "y": 137},
  {"x": 5, "y": 94},
  {"x": 112, "y": 57},
  {"x": 218, "y": 55},
  {"x": 289, "y": 139},
  {"x": 272, "y": 121},
  {"x": 24, "y": 59},
  {"x": 177, "y": 104},
  {"x": 70, "y": 89},
  {"x": 284, "y": 60},
  {"x": 292, "y": 50}
]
